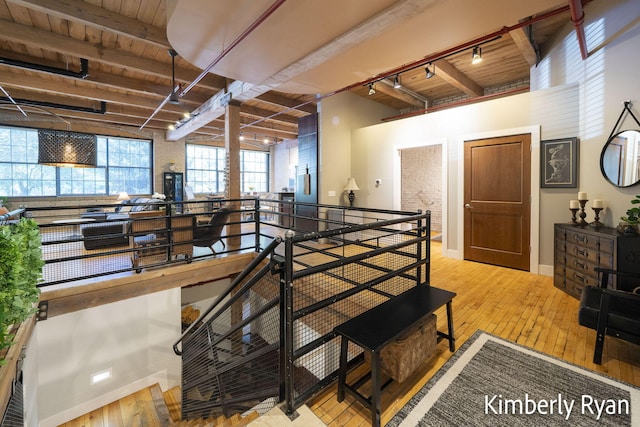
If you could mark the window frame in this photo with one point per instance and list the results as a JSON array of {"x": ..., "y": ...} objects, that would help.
[{"x": 63, "y": 181}]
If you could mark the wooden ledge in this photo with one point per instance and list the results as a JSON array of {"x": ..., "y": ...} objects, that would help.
[{"x": 70, "y": 297}]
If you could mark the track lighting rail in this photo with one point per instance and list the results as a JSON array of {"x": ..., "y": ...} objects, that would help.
[{"x": 457, "y": 49}]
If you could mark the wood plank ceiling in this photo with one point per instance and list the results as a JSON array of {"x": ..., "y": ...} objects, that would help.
[{"x": 129, "y": 73}]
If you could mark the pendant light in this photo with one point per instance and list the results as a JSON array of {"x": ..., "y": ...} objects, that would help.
[{"x": 67, "y": 149}]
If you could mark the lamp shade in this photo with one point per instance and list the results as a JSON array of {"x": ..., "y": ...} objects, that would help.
[
  {"x": 65, "y": 148},
  {"x": 351, "y": 185},
  {"x": 123, "y": 196}
]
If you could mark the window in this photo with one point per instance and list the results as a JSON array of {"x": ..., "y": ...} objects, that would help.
[
  {"x": 123, "y": 165},
  {"x": 254, "y": 171},
  {"x": 206, "y": 166}
]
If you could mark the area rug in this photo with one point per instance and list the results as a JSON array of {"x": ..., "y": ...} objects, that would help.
[{"x": 493, "y": 382}]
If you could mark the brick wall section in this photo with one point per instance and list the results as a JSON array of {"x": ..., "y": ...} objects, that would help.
[{"x": 421, "y": 186}]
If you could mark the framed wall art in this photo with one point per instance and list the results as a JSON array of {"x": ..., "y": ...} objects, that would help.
[{"x": 559, "y": 163}]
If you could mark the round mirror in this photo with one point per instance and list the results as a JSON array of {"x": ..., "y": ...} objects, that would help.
[{"x": 620, "y": 159}]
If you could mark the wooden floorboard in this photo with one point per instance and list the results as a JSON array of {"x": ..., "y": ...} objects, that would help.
[{"x": 515, "y": 305}]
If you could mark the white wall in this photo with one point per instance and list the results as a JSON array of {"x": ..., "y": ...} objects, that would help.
[
  {"x": 340, "y": 114},
  {"x": 284, "y": 157},
  {"x": 569, "y": 97},
  {"x": 133, "y": 338},
  {"x": 604, "y": 81}
]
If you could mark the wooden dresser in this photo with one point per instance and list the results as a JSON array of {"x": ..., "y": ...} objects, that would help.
[{"x": 578, "y": 250}]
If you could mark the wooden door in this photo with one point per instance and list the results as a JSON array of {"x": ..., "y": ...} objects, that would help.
[{"x": 497, "y": 202}]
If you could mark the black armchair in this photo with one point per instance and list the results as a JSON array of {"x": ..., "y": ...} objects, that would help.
[
  {"x": 611, "y": 312},
  {"x": 207, "y": 235}
]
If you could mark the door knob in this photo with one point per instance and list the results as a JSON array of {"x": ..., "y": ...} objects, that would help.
[{"x": 468, "y": 206}]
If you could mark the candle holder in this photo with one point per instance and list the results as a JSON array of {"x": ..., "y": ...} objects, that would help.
[
  {"x": 582, "y": 213},
  {"x": 596, "y": 222},
  {"x": 574, "y": 211}
]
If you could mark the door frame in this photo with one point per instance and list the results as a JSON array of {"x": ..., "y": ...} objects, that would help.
[
  {"x": 397, "y": 178},
  {"x": 534, "y": 229}
]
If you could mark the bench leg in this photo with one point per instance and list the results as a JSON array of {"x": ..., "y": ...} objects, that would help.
[
  {"x": 452, "y": 340},
  {"x": 375, "y": 389},
  {"x": 342, "y": 376}
]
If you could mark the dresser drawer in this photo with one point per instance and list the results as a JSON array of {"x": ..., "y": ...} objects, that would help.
[
  {"x": 580, "y": 238},
  {"x": 582, "y": 252},
  {"x": 579, "y": 250},
  {"x": 577, "y": 280}
]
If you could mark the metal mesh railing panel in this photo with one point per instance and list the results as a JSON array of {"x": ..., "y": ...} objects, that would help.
[
  {"x": 232, "y": 364},
  {"x": 344, "y": 292}
]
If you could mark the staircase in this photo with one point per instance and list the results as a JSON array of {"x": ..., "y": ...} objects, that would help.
[{"x": 153, "y": 407}]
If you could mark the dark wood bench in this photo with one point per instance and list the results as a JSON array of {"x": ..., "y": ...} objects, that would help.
[{"x": 375, "y": 328}]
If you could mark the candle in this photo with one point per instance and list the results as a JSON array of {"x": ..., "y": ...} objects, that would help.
[
  {"x": 597, "y": 203},
  {"x": 573, "y": 204},
  {"x": 582, "y": 195}
]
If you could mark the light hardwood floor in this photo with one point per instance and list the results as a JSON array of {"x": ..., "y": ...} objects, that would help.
[{"x": 515, "y": 305}]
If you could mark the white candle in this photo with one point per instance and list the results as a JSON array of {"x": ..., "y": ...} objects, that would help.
[
  {"x": 597, "y": 203},
  {"x": 582, "y": 195},
  {"x": 573, "y": 204}
]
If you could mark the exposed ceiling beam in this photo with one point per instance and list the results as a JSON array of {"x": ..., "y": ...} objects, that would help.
[
  {"x": 281, "y": 100},
  {"x": 456, "y": 78},
  {"x": 115, "y": 57},
  {"x": 522, "y": 40},
  {"x": 386, "y": 87},
  {"x": 261, "y": 112},
  {"x": 97, "y": 17},
  {"x": 76, "y": 89}
]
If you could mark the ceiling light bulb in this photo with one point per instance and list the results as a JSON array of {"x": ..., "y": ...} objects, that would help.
[
  {"x": 265, "y": 140},
  {"x": 396, "y": 82},
  {"x": 241, "y": 137},
  {"x": 372, "y": 91},
  {"x": 186, "y": 115},
  {"x": 428, "y": 71},
  {"x": 172, "y": 127},
  {"x": 477, "y": 55}
]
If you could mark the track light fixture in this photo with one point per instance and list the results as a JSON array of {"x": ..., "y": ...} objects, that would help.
[
  {"x": 476, "y": 55},
  {"x": 396, "y": 82},
  {"x": 428, "y": 72},
  {"x": 372, "y": 91}
]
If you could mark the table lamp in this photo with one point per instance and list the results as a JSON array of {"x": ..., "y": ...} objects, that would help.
[{"x": 350, "y": 187}]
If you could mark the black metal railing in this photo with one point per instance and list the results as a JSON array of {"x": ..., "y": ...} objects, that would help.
[
  {"x": 269, "y": 337},
  {"x": 90, "y": 241}
]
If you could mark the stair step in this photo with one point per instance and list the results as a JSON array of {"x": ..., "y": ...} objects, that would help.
[
  {"x": 276, "y": 418},
  {"x": 173, "y": 399},
  {"x": 145, "y": 407},
  {"x": 152, "y": 407}
]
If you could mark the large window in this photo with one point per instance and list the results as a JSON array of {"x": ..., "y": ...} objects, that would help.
[
  {"x": 123, "y": 165},
  {"x": 206, "y": 165}
]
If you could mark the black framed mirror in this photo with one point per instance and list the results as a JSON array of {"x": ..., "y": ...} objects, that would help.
[{"x": 620, "y": 158}]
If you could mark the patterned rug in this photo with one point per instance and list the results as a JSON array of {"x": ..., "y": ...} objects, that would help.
[{"x": 493, "y": 382}]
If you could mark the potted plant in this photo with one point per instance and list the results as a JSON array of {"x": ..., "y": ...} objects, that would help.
[
  {"x": 20, "y": 270},
  {"x": 630, "y": 221}
]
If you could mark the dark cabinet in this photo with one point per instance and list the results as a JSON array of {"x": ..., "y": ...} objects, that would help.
[
  {"x": 578, "y": 250},
  {"x": 286, "y": 209},
  {"x": 173, "y": 186}
]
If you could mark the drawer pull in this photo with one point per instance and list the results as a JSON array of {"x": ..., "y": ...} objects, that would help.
[
  {"x": 584, "y": 252},
  {"x": 580, "y": 264},
  {"x": 580, "y": 278},
  {"x": 579, "y": 238}
]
